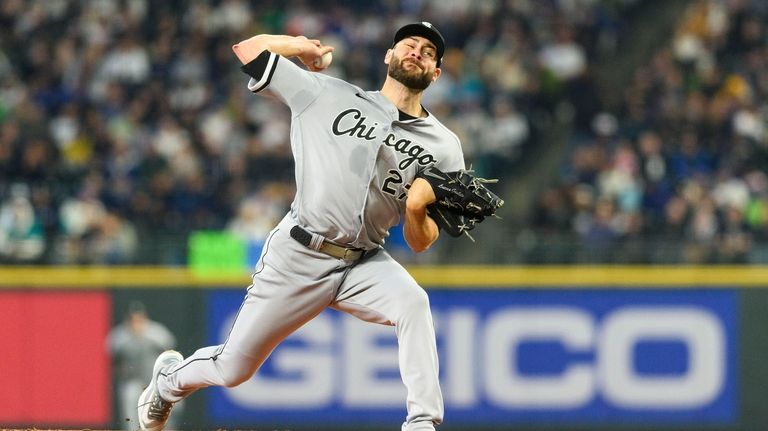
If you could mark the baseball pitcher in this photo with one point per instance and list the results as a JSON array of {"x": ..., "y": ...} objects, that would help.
[{"x": 364, "y": 160}]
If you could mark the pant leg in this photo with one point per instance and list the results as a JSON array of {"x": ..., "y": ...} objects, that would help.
[
  {"x": 129, "y": 391},
  {"x": 380, "y": 290},
  {"x": 292, "y": 284}
]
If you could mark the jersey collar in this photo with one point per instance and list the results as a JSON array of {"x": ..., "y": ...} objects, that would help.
[{"x": 377, "y": 98}]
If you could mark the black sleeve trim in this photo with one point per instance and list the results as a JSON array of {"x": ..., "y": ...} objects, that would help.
[
  {"x": 261, "y": 69},
  {"x": 257, "y": 66}
]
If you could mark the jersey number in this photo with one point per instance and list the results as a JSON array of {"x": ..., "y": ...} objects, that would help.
[{"x": 395, "y": 178}]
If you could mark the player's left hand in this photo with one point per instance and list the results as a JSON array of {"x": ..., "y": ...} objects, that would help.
[{"x": 462, "y": 201}]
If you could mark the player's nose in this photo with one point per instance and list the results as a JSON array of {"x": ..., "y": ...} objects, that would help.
[{"x": 415, "y": 54}]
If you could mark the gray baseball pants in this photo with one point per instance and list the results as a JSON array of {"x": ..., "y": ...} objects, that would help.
[{"x": 291, "y": 285}]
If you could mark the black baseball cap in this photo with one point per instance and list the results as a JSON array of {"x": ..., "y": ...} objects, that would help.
[{"x": 426, "y": 30}]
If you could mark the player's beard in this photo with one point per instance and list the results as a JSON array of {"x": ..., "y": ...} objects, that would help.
[{"x": 414, "y": 79}]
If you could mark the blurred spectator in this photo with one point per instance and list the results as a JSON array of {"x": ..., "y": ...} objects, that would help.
[
  {"x": 126, "y": 63},
  {"x": 91, "y": 233},
  {"x": 501, "y": 140},
  {"x": 563, "y": 57},
  {"x": 702, "y": 232},
  {"x": 114, "y": 241},
  {"x": 258, "y": 214},
  {"x": 21, "y": 233},
  {"x": 736, "y": 240},
  {"x": 80, "y": 213}
]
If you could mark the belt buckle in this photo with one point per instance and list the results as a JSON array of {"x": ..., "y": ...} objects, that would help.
[{"x": 349, "y": 254}]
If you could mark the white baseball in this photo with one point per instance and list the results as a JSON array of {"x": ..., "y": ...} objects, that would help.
[{"x": 324, "y": 61}]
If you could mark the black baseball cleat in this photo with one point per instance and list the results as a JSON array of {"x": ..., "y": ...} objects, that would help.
[{"x": 153, "y": 410}]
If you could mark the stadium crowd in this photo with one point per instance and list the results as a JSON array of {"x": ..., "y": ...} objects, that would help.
[
  {"x": 678, "y": 174},
  {"x": 125, "y": 124}
]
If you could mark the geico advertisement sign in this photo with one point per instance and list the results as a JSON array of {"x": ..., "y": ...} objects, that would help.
[{"x": 527, "y": 355}]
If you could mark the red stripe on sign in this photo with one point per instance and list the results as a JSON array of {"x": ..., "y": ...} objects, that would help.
[{"x": 54, "y": 367}]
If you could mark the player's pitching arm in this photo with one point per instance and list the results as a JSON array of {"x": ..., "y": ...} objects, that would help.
[
  {"x": 307, "y": 50},
  {"x": 419, "y": 229}
]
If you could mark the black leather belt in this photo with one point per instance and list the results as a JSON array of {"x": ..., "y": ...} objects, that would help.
[{"x": 339, "y": 252}]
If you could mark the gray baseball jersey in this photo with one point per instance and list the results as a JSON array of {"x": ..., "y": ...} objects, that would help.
[
  {"x": 354, "y": 162},
  {"x": 354, "y": 157}
]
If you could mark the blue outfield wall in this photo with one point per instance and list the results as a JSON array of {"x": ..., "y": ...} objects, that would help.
[{"x": 523, "y": 357}]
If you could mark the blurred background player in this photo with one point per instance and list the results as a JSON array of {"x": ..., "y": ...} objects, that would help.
[{"x": 133, "y": 345}]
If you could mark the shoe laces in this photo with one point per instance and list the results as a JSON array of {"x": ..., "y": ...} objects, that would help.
[{"x": 159, "y": 409}]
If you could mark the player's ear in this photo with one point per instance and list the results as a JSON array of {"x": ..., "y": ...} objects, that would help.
[
  {"x": 438, "y": 72},
  {"x": 388, "y": 56}
]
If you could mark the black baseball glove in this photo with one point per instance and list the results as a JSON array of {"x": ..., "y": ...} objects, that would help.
[{"x": 463, "y": 200}]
